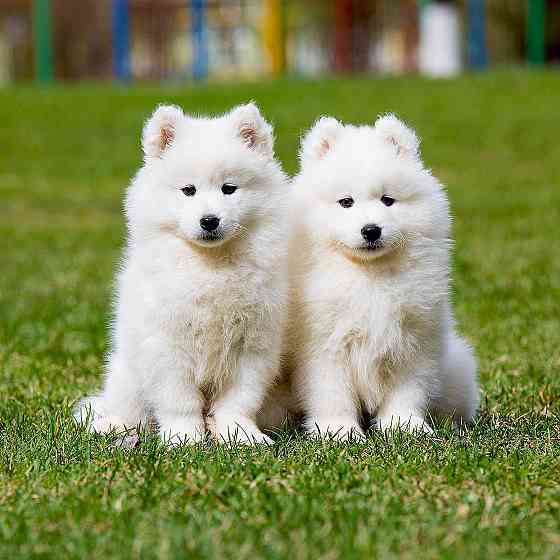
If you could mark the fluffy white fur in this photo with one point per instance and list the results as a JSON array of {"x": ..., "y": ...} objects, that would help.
[
  {"x": 198, "y": 316},
  {"x": 371, "y": 324}
]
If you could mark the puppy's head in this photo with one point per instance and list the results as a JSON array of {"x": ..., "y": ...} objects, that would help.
[
  {"x": 365, "y": 190},
  {"x": 205, "y": 180}
]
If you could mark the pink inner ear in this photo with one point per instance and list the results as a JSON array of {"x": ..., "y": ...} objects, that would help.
[
  {"x": 167, "y": 135},
  {"x": 324, "y": 147},
  {"x": 248, "y": 134},
  {"x": 393, "y": 140}
]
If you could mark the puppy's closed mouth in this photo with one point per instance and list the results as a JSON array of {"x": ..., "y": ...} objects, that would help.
[
  {"x": 372, "y": 246},
  {"x": 211, "y": 237}
]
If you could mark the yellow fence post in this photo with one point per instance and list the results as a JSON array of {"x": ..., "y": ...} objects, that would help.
[{"x": 273, "y": 35}]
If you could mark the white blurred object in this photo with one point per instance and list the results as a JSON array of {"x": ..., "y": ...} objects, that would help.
[
  {"x": 310, "y": 58},
  {"x": 440, "y": 40}
]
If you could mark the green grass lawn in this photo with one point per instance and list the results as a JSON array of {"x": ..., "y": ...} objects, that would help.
[{"x": 66, "y": 155}]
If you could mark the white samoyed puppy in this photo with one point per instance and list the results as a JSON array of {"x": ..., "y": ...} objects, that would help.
[
  {"x": 201, "y": 296},
  {"x": 371, "y": 326}
]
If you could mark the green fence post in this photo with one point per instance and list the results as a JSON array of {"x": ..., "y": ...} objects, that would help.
[
  {"x": 42, "y": 41},
  {"x": 536, "y": 11}
]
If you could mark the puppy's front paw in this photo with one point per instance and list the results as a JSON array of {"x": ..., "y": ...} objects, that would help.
[
  {"x": 182, "y": 431},
  {"x": 91, "y": 414},
  {"x": 238, "y": 431},
  {"x": 337, "y": 428},
  {"x": 107, "y": 424},
  {"x": 412, "y": 423}
]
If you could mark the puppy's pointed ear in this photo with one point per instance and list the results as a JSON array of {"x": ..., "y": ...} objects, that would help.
[
  {"x": 319, "y": 140},
  {"x": 160, "y": 130},
  {"x": 393, "y": 131},
  {"x": 253, "y": 130}
]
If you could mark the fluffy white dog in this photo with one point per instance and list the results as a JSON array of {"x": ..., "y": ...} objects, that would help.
[
  {"x": 201, "y": 295},
  {"x": 372, "y": 326}
]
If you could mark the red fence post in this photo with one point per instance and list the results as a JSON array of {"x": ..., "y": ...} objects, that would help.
[{"x": 343, "y": 44}]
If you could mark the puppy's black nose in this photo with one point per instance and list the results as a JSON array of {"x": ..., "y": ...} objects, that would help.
[
  {"x": 371, "y": 232},
  {"x": 210, "y": 222}
]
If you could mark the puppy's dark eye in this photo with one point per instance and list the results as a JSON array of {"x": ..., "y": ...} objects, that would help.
[
  {"x": 387, "y": 200},
  {"x": 346, "y": 202},
  {"x": 229, "y": 188},
  {"x": 189, "y": 190}
]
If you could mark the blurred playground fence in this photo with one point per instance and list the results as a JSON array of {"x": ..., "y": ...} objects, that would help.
[{"x": 49, "y": 40}]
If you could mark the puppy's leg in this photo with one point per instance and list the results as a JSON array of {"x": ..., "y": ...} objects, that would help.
[
  {"x": 405, "y": 405},
  {"x": 177, "y": 402},
  {"x": 234, "y": 411},
  {"x": 330, "y": 402},
  {"x": 459, "y": 396},
  {"x": 178, "y": 407},
  {"x": 120, "y": 405}
]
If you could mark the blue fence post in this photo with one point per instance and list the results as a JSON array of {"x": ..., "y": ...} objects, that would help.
[
  {"x": 199, "y": 39},
  {"x": 478, "y": 55},
  {"x": 120, "y": 27}
]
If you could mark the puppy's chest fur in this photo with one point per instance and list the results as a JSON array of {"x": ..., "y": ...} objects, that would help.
[
  {"x": 211, "y": 315},
  {"x": 372, "y": 326}
]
